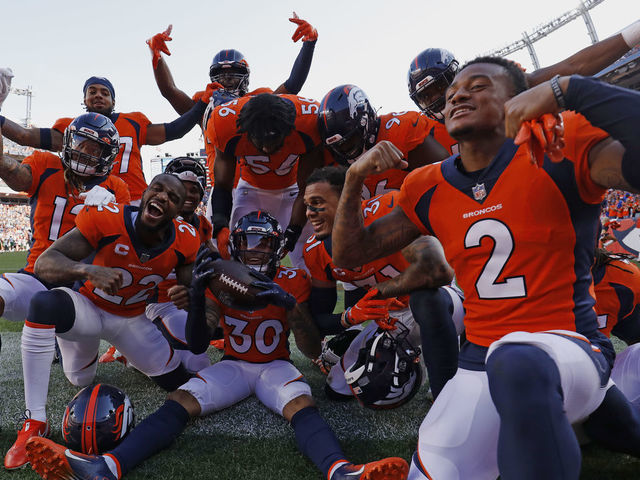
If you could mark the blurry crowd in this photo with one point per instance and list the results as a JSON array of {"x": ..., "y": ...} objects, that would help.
[{"x": 15, "y": 229}]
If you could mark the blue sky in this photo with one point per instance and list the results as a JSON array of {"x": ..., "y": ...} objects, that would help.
[{"x": 368, "y": 43}]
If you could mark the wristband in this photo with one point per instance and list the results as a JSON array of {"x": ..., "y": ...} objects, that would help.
[
  {"x": 2, "y": 119},
  {"x": 344, "y": 319},
  {"x": 557, "y": 92},
  {"x": 631, "y": 34}
]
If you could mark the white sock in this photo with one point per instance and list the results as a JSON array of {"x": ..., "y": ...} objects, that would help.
[{"x": 38, "y": 348}]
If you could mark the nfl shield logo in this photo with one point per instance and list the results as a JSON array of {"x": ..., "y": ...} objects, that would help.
[{"x": 479, "y": 192}]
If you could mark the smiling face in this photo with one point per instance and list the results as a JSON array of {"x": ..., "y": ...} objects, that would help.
[
  {"x": 161, "y": 201},
  {"x": 321, "y": 200},
  {"x": 475, "y": 101},
  {"x": 191, "y": 199},
  {"x": 98, "y": 99}
]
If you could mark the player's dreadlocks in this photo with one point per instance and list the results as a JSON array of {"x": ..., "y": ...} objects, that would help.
[
  {"x": 334, "y": 176},
  {"x": 514, "y": 71},
  {"x": 267, "y": 115},
  {"x": 605, "y": 257}
]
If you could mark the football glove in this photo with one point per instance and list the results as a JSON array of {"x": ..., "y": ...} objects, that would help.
[
  {"x": 97, "y": 196},
  {"x": 222, "y": 242},
  {"x": 290, "y": 238},
  {"x": 5, "y": 83},
  {"x": 157, "y": 45},
  {"x": 367, "y": 308},
  {"x": 304, "y": 31},
  {"x": 540, "y": 136},
  {"x": 203, "y": 268},
  {"x": 205, "y": 95},
  {"x": 274, "y": 294}
]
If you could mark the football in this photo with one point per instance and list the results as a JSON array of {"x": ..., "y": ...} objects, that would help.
[{"x": 231, "y": 283}]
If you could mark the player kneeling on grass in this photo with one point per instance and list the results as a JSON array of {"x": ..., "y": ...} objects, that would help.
[
  {"x": 132, "y": 251},
  {"x": 256, "y": 362}
]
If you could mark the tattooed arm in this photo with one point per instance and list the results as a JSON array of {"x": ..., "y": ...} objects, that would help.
[
  {"x": 353, "y": 244},
  {"x": 16, "y": 176},
  {"x": 427, "y": 269},
  {"x": 308, "y": 338}
]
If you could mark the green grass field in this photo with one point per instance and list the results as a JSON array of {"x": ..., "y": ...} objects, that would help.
[{"x": 245, "y": 441}]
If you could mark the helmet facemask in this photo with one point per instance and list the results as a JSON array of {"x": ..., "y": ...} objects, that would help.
[
  {"x": 86, "y": 155},
  {"x": 429, "y": 92},
  {"x": 257, "y": 249},
  {"x": 233, "y": 76}
]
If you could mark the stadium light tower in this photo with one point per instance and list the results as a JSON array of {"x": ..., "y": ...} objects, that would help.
[
  {"x": 528, "y": 39},
  {"x": 27, "y": 92}
]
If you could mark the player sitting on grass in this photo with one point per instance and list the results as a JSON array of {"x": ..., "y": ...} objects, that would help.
[{"x": 256, "y": 362}]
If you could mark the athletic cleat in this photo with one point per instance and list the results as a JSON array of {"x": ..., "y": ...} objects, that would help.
[
  {"x": 56, "y": 462},
  {"x": 16, "y": 457},
  {"x": 392, "y": 468},
  {"x": 113, "y": 355}
]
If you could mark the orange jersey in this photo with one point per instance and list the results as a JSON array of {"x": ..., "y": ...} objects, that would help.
[
  {"x": 267, "y": 172},
  {"x": 132, "y": 128},
  {"x": 204, "y": 228},
  {"x": 520, "y": 238},
  {"x": 54, "y": 204},
  {"x": 263, "y": 335},
  {"x": 317, "y": 253},
  {"x": 406, "y": 130},
  {"x": 617, "y": 287},
  {"x": 110, "y": 230}
]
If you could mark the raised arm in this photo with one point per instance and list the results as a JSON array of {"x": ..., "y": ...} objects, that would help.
[
  {"x": 163, "y": 132},
  {"x": 615, "y": 161},
  {"x": 45, "y": 138},
  {"x": 61, "y": 264},
  {"x": 302, "y": 64},
  {"x": 17, "y": 176},
  {"x": 592, "y": 59},
  {"x": 428, "y": 268},
  {"x": 353, "y": 244}
]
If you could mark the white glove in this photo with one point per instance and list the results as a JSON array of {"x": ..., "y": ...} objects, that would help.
[
  {"x": 98, "y": 196},
  {"x": 5, "y": 83}
]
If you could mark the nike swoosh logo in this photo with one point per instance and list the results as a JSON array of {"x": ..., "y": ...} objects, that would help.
[
  {"x": 415, "y": 124},
  {"x": 353, "y": 474},
  {"x": 75, "y": 457},
  {"x": 391, "y": 204}
]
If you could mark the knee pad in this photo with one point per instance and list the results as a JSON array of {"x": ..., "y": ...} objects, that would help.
[
  {"x": 170, "y": 381},
  {"x": 52, "y": 307}
]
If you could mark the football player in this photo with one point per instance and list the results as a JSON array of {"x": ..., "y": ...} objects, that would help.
[
  {"x": 533, "y": 346},
  {"x": 132, "y": 250},
  {"x": 617, "y": 287},
  {"x": 274, "y": 139},
  {"x": 163, "y": 312},
  {"x": 418, "y": 266},
  {"x": 135, "y": 130},
  {"x": 433, "y": 70},
  {"x": 229, "y": 69},
  {"x": 256, "y": 362},
  {"x": 58, "y": 187},
  {"x": 349, "y": 125}
]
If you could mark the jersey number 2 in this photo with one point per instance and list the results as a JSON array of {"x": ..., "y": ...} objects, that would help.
[{"x": 486, "y": 285}]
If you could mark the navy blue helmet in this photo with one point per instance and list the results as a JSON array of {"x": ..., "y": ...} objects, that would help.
[
  {"x": 255, "y": 241},
  {"x": 97, "y": 419},
  {"x": 347, "y": 122},
  {"x": 430, "y": 73},
  {"x": 230, "y": 69},
  {"x": 89, "y": 145}
]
